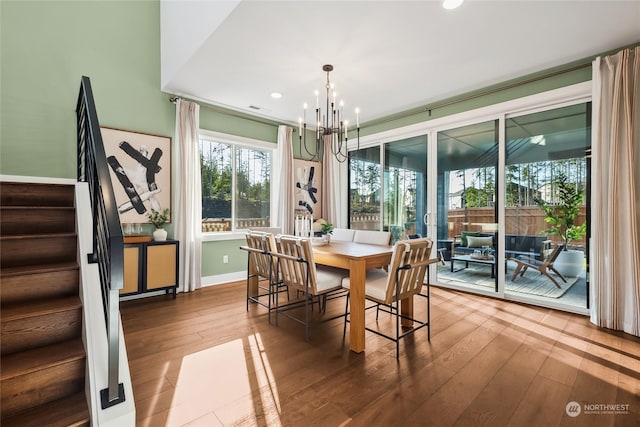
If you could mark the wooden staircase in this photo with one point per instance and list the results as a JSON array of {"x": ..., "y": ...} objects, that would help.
[{"x": 42, "y": 378}]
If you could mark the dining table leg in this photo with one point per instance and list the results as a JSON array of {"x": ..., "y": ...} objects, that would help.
[
  {"x": 357, "y": 276},
  {"x": 406, "y": 308}
]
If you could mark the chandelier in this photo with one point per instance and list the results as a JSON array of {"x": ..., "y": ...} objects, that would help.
[{"x": 331, "y": 126}]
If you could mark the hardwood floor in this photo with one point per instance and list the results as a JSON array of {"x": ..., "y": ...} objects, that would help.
[{"x": 202, "y": 360}]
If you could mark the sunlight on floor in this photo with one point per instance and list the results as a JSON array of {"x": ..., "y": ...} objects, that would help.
[
  {"x": 218, "y": 378},
  {"x": 266, "y": 380}
]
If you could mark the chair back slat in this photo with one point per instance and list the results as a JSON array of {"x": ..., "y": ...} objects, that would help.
[
  {"x": 264, "y": 263},
  {"x": 409, "y": 263},
  {"x": 298, "y": 263}
]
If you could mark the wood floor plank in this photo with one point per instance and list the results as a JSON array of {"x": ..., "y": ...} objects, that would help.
[
  {"x": 544, "y": 404},
  {"x": 450, "y": 401},
  {"x": 204, "y": 360}
]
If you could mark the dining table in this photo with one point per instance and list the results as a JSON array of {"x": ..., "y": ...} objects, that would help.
[{"x": 357, "y": 258}]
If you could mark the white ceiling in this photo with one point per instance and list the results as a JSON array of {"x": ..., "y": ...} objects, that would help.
[{"x": 389, "y": 56}]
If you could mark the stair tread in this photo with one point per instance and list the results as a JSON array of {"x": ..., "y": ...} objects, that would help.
[
  {"x": 37, "y": 236},
  {"x": 35, "y": 208},
  {"x": 70, "y": 411},
  {"x": 36, "y": 359},
  {"x": 39, "y": 308},
  {"x": 38, "y": 268}
]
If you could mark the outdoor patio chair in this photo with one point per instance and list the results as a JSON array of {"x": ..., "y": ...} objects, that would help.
[{"x": 524, "y": 263}]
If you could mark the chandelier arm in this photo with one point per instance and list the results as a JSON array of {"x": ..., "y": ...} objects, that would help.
[
  {"x": 303, "y": 144},
  {"x": 313, "y": 156}
]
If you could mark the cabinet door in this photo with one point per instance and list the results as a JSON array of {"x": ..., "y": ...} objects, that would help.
[
  {"x": 161, "y": 266},
  {"x": 131, "y": 269}
]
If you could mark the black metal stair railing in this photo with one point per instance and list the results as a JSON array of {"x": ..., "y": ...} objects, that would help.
[{"x": 108, "y": 241}]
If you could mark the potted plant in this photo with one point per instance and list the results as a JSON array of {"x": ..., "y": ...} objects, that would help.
[
  {"x": 159, "y": 219},
  {"x": 562, "y": 220},
  {"x": 327, "y": 229}
]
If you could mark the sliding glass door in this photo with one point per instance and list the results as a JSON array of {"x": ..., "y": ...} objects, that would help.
[
  {"x": 405, "y": 184},
  {"x": 547, "y": 180},
  {"x": 388, "y": 185},
  {"x": 365, "y": 189},
  {"x": 504, "y": 197},
  {"x": 466, "y": 206}
]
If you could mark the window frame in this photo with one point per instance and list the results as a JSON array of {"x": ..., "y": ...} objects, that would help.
[{"x": 243, "y": 142}]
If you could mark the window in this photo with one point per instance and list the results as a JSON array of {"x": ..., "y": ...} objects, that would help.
[{"x": 235, "y": 177}]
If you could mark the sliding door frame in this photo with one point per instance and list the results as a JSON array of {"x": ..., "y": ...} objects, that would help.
[{"x": 557, "y": 98}]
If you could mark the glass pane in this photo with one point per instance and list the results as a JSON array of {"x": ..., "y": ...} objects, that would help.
[
  {"x": 253, "y": 172},
  {"x": 467, "y": 216},
  {"x": 364, "y": 189},
  {"x": 405, "y": 187},
  {"x": 546, "y": 166},
  {"x": 216, "y": 172}
]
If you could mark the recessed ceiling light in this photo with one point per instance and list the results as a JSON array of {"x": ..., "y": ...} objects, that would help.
[
  {"x": 451, "y": 4},
  {"x": 276, "y": 95}
]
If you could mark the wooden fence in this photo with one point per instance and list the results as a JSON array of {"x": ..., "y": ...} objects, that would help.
[{"x": 523, "y": 221}]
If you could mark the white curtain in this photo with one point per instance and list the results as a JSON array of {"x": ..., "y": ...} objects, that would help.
[
  {"x": 282, "y": 200},
  {"x": 615, "y": 275},
  {"x": 188, "y": 216},
  {"x": 334, "y": 187}
]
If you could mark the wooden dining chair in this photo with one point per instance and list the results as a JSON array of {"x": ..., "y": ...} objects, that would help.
[
  {"x": 262, "y": 266},
  {"x": 409, "y": 264},
  {"x": 524, "y": 263},
  {"x": 298, "y": 269},
  {"x": 342, "y": 235},
  {"x": 372, "y": 237}
]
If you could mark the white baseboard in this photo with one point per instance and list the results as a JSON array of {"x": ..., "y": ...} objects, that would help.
[
  {"x": 37, "y": 179},
  {"x": 223, "y": 278}
]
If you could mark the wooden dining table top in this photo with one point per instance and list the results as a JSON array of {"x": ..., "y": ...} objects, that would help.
[{"x": 340, "y": 254}]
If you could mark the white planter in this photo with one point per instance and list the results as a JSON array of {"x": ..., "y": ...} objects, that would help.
[
  {"x": 159, "y": 234},
  {"x": 570, "y": 263}
]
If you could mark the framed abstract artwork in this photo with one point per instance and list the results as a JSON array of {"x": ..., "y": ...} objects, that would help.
[
  {"x": 140, "y": 168},
  {"x": 308, "y": 187}
]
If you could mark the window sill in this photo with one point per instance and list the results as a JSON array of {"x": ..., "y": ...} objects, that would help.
[{"x": 216, "y": 237}]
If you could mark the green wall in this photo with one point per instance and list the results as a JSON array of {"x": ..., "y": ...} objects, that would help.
[{"x": 47, "y": 46}]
